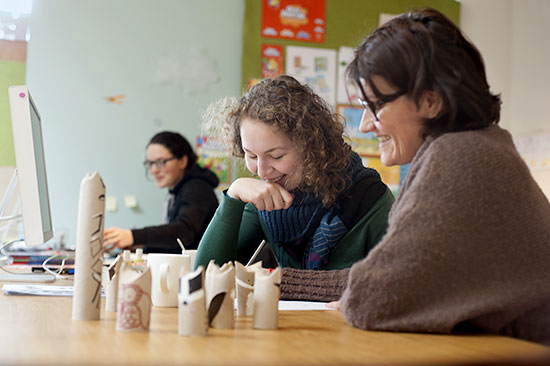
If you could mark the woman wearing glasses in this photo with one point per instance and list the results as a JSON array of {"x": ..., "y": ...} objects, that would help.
[
  {"x": 313, "y": 201},
  {"x": 189, "y": 205},
  {"x": 468, "y": 240}
]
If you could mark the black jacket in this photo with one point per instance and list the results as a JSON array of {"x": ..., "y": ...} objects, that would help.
[{"x": 194, "y": 205}]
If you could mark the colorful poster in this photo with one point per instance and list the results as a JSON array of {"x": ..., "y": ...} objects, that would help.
[
  {"x": 272, "y": 60},
  {"x": 213, "y": 155},
  {"x": 315, "y": 67},
  {"x": 362, "y": 143},
  {"x": 298, "y": 20},
  {"x": 389, "y": 174}
]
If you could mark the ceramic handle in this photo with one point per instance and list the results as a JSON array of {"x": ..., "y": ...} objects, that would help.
[{"x": 164, "y": 269}]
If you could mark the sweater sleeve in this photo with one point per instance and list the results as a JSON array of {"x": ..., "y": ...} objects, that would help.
[
  {"x": 233, "y": 234},
  {"x": 465, "y": 244},
  {"x": 197, "y": 201},
  {"x": 298, "y": 284}
]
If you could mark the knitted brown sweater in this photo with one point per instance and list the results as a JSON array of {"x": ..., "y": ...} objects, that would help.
[
  {"x": 467, "y": 246},
  {"x": 299, "y": 284}
]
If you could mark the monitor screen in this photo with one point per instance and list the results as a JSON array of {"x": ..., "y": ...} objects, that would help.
[{"x": 31, "y": 166}]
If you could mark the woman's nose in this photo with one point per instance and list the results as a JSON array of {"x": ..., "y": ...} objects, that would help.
[
  {"x": 367, "y": 122},
  {"x": 263, "y": 168}
]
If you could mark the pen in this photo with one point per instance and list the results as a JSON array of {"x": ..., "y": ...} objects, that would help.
[
  {"x": 181, "y": 245},
  {"x": 256, "y": 252}
]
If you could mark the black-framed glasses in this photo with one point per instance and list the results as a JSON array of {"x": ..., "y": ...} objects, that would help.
[
  {"x": 374, "y": 107},
  {"x": 160, "y": 163}
]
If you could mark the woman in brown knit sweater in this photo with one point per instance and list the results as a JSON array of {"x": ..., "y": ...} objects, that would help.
[{"x": 468, "y": 240}]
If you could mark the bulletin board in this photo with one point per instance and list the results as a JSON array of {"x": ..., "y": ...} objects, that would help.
[
  {"x": 347, "y": 23},
  {"x": 321, "y": 60}
]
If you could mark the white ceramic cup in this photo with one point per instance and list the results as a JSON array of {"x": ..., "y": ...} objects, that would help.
[
  {"x": 192, "y": 253},
  {"x": 165, "y": 271}
]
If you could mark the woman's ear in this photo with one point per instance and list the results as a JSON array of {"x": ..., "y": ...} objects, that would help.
[
  {"x": 183, "y": 162},
  {"x": 431, "y": 104}
]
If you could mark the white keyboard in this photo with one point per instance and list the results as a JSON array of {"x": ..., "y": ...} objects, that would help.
[{"x": 26, "y": 277}]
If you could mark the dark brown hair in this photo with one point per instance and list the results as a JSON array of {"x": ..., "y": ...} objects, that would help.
[
  {"x": 423, "y": 50},
  {"x": 294, "y": 109},
  {"x": 176, "y": 144}
]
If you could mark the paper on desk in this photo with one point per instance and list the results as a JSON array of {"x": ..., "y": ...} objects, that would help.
[
  {"x": 39, "y": 290},
  {"x": 286, "y": 305},
  {"x": 44, "y": 290},
  {"x": 303, "y": 305}
]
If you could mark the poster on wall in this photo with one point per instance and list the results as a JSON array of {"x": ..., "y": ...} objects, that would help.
[
  {"x": 389, "y": 174},
  {"x": 362, "y": 143},
  {"x": 346, "y": 90},
  {"x": 316, "y": 67},
  {"x": 272, "y": 60},
  {"x": 297, "y": 20},
  {"x": 213, "y": 155}
]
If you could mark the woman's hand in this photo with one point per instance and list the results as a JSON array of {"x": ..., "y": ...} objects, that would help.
[
  {"x": 114, "y": 237},
  {"x": 264, "y": 195}
]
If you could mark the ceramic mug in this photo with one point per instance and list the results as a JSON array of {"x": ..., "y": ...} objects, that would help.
[
  {"x": 192, "y": 253},
  {"x": 165, "y": 271}
]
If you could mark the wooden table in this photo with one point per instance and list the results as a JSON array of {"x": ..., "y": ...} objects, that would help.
[{"x": 39, "y": 330}]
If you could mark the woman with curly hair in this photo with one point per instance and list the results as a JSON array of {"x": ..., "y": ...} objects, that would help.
[{"x": 314, "y": 202}]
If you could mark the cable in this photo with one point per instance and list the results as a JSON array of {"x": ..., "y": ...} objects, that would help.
[
  {"x": 7, "y": 218},
  {"x": 9, "y": 243},
  {"x": 57, "y": 274},
  {"x": 46, "y": 269}
]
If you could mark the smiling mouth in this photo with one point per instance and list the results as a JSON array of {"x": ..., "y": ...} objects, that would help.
[
  {"x": 383, "y": 138},
  {"x": 275, "y": 180}
]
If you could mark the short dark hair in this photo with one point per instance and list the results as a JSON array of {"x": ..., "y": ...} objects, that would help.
[
  {"x": 423, "y": 50},
  {"x": 177, "y": 144}
]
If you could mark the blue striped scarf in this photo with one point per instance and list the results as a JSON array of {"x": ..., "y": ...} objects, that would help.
[{"x": 309, "y": 225}]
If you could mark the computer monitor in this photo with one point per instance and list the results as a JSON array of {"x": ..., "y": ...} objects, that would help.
[{"x": 31, "y": 166}]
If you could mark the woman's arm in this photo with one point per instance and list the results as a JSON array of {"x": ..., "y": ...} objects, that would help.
[
  {"x": 233, "y": 234},
  {"x": 301, "y": 284}
]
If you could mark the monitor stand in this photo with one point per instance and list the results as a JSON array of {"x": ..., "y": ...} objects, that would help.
[{"x": 4, "y": 260}]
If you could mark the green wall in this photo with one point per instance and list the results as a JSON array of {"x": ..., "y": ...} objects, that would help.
[
  {"x": 11, "y": 73},
  {"x": 347, "y": 23}
]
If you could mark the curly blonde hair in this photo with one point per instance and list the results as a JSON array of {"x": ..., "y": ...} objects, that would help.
[{"x": 294, "y": 109}]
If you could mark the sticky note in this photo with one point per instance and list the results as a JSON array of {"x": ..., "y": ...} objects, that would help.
[
  {"x": 130, "y": 201},
  {"x": 110, "y": 204}
]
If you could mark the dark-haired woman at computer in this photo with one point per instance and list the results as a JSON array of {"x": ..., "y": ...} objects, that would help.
[{"x": 189, "y": 205}]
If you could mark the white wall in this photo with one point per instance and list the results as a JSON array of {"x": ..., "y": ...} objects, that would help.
[
  {"x": 513, "y": 37},
  {"x": 83, "y": 51},
  {"x": 488, "y": 24},
  {"x": 155, "y": 52}
]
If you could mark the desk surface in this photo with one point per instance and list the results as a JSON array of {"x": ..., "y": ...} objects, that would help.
[{"x": 39, "y": 330}]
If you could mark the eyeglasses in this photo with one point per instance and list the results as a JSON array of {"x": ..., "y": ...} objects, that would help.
[
  {"x": 160, "y": 163},
  {"x": 373, "y": 107}
]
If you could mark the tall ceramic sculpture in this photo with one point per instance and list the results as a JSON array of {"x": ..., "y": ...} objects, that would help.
[
  {"x": 192, "y": 318},
  {"x": 266, "y": 299},
  {"x": 89, "y": 248},
  {"x": 244, "y": 283},
  {"x": 220, "y": 288}
]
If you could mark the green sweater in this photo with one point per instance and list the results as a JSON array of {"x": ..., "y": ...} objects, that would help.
[{"x": 237, "y": 229}]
